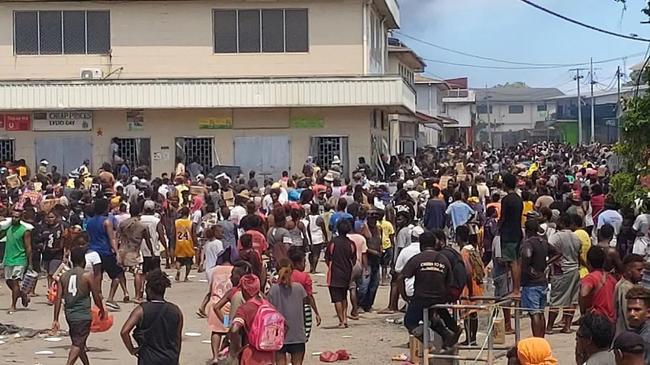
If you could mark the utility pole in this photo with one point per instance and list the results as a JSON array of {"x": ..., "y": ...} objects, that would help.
[
  {"x": 593, "y": 116},
  {"x": 487, "y": 98},
  {"x": 618, "y": 103},
  {"x": 577, "y": 77}
]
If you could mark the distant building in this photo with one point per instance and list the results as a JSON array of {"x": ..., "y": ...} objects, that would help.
[
  {"x": 606, "y": 115},
  {"x": 451, "y": 104},
  {"x": 512, "y": 109}
]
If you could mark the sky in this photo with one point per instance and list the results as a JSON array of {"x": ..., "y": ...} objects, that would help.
[{"x": 514, "y": 31}]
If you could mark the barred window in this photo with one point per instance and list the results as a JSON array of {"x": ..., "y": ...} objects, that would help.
[
  {"x": 61, "y": 32},
  {"x": 260, "y": 30},
  {"x": 7, "y": 150}
]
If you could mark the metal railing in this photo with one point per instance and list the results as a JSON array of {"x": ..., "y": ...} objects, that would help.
[{"x": 491, "y": 348}]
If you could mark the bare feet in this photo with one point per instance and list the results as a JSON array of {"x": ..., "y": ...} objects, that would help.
[
  {"x": 25, "y": 300},
  {"x": 387, "y": 311},
  {"x": 354, "y": 317}
]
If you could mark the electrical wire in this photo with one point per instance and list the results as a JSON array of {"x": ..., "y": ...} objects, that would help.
[
  {"x": 480, "y": 57},
  {"x": 545, "y": 65},
  {"x": 584, "y": 24},
  {"x": 492, "y": 67}
]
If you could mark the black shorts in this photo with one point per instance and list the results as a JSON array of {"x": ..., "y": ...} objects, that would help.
[
  {"x": 79, "y": 331},
  {"x": 315, "y": 250},
  {"x": 185, "y": 261},
  {"x": 387, "y": 257},
  {"x": 110, "y": 266},
  {"x": 150, "y": 264},
  {"x": 338, "y": 294},
  {"x": 293, "y": 348}
]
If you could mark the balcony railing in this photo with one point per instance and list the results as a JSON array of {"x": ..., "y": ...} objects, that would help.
[
  {"x": 459, "y": 96},
  {"x": 457, "y": 93}
]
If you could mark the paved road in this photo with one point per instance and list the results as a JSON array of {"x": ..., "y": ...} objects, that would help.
[{"x": 371, "y": 340}]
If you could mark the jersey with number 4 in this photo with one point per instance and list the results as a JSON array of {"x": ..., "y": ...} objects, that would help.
[
  {"x": 76, "y": 296},
  {"x": 184, "y": 244}
]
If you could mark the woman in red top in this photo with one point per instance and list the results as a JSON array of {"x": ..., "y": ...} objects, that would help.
[
  {"x": 597, "y": 288},
  {"x": 298, "y": 275}
]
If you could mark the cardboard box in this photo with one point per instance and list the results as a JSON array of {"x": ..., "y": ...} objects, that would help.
[
  {"x": 444, "y": 181},
  {"x": 13, "y": 181},
  {"x": 197, "y": 190},
  {"x": 229, "y": 197},
  {"x": 48, "y": 204}
]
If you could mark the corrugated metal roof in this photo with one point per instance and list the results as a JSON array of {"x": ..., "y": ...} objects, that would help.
[
  {"x": 207, "y": 93},
  {"x": 516, "y": 94}
]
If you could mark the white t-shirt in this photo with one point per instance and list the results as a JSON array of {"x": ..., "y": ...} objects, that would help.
[
  {"x": 613, "y": 218},
  {"x": 92, "y": 259},
  {"x": 237, "y": 213},
  {"x": 151, "y": 222},
  {"x": 642, "y": 224},
  {"x": 212, "y": 250},
  {"x": 404, "y": 256}
]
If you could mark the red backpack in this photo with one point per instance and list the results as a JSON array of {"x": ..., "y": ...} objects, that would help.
[{"x": 267, "y": 331}]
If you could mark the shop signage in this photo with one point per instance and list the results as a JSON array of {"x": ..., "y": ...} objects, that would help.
[
  {"x": 16, "y": 122},
  {"x": 307, "y": 123},
  {"x": 63, "y": 121},
  {"x": 215, "y": 123},
  {"x": 135, "y": 120}
]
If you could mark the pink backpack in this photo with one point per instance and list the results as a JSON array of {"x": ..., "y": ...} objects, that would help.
[{"x": 268, "y": 329}]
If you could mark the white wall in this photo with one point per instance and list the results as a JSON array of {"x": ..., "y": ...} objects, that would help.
[
  {"x": 429, "y": 99},
  {"x": 461, "y": 112},
  {"x": 514, "y": 122}
]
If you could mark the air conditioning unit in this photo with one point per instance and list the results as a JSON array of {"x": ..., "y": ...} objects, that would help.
[{"x": 91, "y": 74}]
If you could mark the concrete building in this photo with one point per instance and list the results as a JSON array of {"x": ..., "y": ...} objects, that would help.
[
  {"x": 606, "y": 114},
  {"x": 512, "y": 109},
  {"x": 259, "y": 84},
  {"x": 449, "y": 102}
]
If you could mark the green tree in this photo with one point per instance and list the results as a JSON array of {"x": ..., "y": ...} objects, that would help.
[
  {"x": 516, "y": 84},
  {"x": 634, "y": 147}
]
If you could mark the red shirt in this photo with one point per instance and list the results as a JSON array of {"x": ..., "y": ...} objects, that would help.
[
  {"x": 303, "y": 279},
  {"x": 259, "y": 241},
  {"x": 602, "y": 298}
]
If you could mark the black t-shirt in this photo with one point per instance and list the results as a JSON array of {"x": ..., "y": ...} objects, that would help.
[
  {"x": 433, "y": 277},
  {"x": 50, "y": 240},
  {"x": 341, "y": 255},
  {"x": 534, "y": 253},
  {"x": 512, "y": 207}
]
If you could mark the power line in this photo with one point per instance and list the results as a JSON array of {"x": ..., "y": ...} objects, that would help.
[
  {"x": 493, "y": 67},
  {"x": 515, "y": 67},
  {"x": 541, "y": 65},
  {"x": 584, "y": 24},
  {"x": 477, "y": 56}
]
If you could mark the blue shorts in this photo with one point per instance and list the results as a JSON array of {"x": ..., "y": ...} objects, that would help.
[{"x": 533, "y": 299}]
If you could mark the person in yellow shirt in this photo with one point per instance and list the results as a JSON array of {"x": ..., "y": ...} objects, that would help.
[
  {"x": 185, "y": 241},
  {"x": 22, "y": 171},
  {"x": 387, "y": 239},
  {"x": 181, "y": 187},
  {"x": 528, "y": 206},
  {"x": 585, "y": 243}
]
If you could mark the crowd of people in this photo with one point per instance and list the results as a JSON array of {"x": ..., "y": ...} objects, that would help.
[{"x": 537, "y": 221}]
